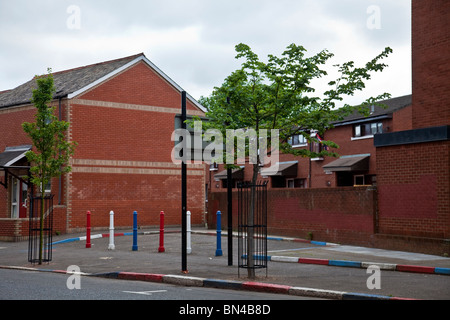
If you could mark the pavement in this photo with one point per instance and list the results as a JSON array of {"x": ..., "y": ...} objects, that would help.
[{"x": 296, "y": 267}]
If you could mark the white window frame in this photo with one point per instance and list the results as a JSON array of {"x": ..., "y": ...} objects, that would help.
[
  {"x": 302, "y": 138},
  {"x": 15, "y": 192}
]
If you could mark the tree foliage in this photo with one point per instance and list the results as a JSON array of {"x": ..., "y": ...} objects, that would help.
[
  {"x": 51, "y": 150},
  {"x": 279, "y": 94},
  {"x": 50, "y": 155}
]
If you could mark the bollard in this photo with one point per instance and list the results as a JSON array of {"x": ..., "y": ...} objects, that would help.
[
  {"x": 135, "y": 246},
  {"x": 219, "y": 234},
  {"x": 188, "y": 230},
  {"x": 161, "y": 232},
  {"x": 111, "y": 245},
  {"x": 88, "y": 230}
]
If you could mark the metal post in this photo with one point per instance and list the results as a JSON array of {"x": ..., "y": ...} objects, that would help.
[
  {"x": 188, "y": 249},
  {"x": 88, "y": 229},
  {"x": 183, "y": 190},
  {"x": 161, "y": 232},
  {"x": 219, "y": 234},
  {"x": 111, "y": 245},
  {"x": 230, "y": 216},
  {"x": 230, "y": 210},
  {"x": 135, "y": 246}
]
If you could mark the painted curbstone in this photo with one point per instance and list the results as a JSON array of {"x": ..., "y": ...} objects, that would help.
[
  {"x": 316, "y": 293},
  {"x": 108, "y": 275},
  {"x": 222, "y": 284},
  {"x": 266, "y": 287},
  {"x": 344, "y": 263},
  {"x": 183, "y": 280},
  {"x": 283, "y": 259},
  {"x": 363, "y": 296},
  {"x": 415, "y": 269},
  {"x": 445, "y": 271},
  {"x": 313, "y": 261},
  {"x": 382, "y": 266}
]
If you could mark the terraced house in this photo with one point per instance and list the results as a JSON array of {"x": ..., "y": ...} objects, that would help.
[
  {"x": 356, "y": 164},
  {"x": 121, "y": 114}
]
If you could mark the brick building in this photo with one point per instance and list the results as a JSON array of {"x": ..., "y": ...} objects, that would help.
[
  {"x": 121, "y": 114},
  {"x": 356, "y": 165},
  {"x": 409, "y": 209},
  {"x": 414, "y": 165}
]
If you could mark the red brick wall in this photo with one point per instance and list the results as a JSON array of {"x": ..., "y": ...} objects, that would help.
[
  {"x": 430, "y": 63},
  {"x": 141, "y": 86},
  {"x": 414, "y": 189},
  {"x": 414, "y": 179},
  {"x": 124, "y": 193},
  {"x": 344, "y": 215},
  {"x": 402, "y": 120}
]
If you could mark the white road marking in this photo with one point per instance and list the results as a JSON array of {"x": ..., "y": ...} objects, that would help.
[{"x": 148, "y": 293}]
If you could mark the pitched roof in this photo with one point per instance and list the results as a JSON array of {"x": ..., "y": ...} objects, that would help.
[
  {"x": 13, "y": 154},
  {"x": 393, "y": 105},
  {"x": 70, "y": 83}
]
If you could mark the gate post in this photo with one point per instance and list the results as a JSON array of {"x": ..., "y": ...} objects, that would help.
[
  {"x": 88, "y": 229},
  {"x": 219, "y": 234}
]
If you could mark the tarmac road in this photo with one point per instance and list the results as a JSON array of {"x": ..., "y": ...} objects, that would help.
[{"x": 343, "y": 281}]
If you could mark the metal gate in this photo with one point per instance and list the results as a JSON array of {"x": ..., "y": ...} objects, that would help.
[
  {"x": 34, "y": 243},
  {"x": 252, "y": 226}
]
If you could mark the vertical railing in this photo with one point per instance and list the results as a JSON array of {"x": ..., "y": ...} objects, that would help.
[
  {"x": 35, "y": 229},
  {"x": 252, "y": 237}
]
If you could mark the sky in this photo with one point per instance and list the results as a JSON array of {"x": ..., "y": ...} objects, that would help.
[{"x": 194, "y": 41}]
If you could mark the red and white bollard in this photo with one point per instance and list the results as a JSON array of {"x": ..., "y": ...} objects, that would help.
[
  {"x": 161, "y": 232},
  {"x": 88, "y": 230}
]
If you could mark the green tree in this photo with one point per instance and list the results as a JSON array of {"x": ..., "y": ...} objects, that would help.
[
  {"x": 278, "y": 94},
  {"x": 51, "y": 150}
]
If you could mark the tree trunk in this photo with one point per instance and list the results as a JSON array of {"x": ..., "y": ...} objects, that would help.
[{"x": 41, "y": 231}]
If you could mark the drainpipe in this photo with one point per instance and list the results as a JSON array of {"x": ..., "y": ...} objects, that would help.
[{"x": 60, "y": 178}]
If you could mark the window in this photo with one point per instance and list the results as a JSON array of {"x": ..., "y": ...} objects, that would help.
[
  {"x": 316, "y": 147},
  {"x": 15, "y": 199},
  {"x": 296, "y": 183},
  {"x": 297, "y": 140},
  {"x": 19, "y": 194},
  {"x": 358, "y": 180},
  {"x": 367, "y": 129},
  {"x": 48, "y": 187}
]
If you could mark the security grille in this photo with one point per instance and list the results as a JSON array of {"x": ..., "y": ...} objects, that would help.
[
  {"x": 252, "y": 226},
  {"x": 35, "y": 230}
]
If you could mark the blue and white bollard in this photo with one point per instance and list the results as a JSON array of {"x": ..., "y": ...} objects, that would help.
[
  {"x": 135, "y": 246},
  {"x": 219, "y": 234}
]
